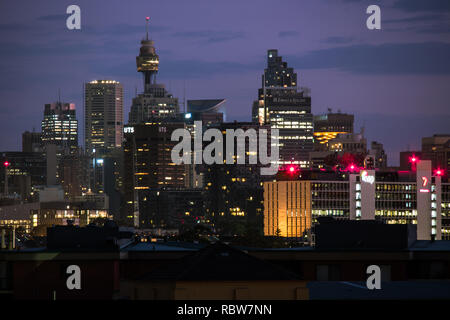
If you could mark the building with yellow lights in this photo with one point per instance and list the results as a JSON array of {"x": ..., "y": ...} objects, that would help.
[{"x": 293, "y": 203}]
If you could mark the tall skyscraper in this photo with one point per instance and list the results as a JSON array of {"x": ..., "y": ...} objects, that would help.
[
  {"x": 283, "y": 106},
  {"x": 148, "y": 164},
  {"x": 103, "y": 115},
  {"x": 155, "y": 101},
  {"x": 60, "y": 126}
]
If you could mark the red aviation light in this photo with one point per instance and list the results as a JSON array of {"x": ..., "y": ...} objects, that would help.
[
  {"x": 6, "y": 164},
  {"x": 291, "y": 169}
]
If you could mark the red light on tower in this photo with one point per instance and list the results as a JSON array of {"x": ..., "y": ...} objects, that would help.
[
  {"x": 439, "y": 172},
  {"x": 6, "y": 164},
  {"x": 147, "y": 18},
  {"x": 413, "y": 159}
]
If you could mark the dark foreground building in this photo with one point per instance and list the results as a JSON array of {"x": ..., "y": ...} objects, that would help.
[{"x": 116, "y": 266}]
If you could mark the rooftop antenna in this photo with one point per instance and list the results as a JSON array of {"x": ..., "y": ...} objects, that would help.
[
  {"x": 59, "y": 95},
  {"x": 184, "y": 95},
  {"x": 263, "y": 121},
  {"x": 146, "y": 26}
]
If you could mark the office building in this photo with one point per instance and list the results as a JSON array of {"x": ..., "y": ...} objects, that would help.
[
  {"x": 349, "y": 142},
  {"x": 283, "y": 106},
  {"x": 171, "y": 208},
  {"x": 60, "y": 126},
  {"x": 393, "y": 197},
  {"x": 25, "y": 170},
  {"x": 155, "y": 102},
  {"x": 328, "y": 126},
  {"x": 378, "y": 154},
  {"x": 209, "y": 111},
  {"x": 437, "y": 149},
  {"x": 148, "y": 164},
  {"x": 103, "y": 115},
  {"x": 234, "y": 192},
  {"x": 32, "y": 142}
]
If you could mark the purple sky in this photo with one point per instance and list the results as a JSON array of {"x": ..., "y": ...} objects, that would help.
[{"x": 396, "y": 80}]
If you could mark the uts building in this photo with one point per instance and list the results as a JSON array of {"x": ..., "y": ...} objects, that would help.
[{"x": 294, "y": 201}]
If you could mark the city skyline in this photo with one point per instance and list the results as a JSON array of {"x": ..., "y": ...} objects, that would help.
[{"x": 379, "y": 84}]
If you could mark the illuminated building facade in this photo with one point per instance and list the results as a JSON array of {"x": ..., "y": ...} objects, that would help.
[
  {"x": 148, "y": 164},
  {"x": 282, "y": 106},
  {"x": 416, "y": 197},
  {"x": 103, "y": 115},
  {"x": 82, "y": 211},
  {"x": 287, "y": 208},
  {"x": 60, "y": 126},
  {"x": 328, "y": 126},
  {"x": 348, "y": 142}
]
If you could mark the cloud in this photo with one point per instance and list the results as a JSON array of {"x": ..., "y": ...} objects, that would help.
[
  {"x": 391, "y": 58},
  {"x": 53, "y": 17},
  {"x": 124, "y": 29},
  {"x": 423, "y": 5},
  {"x": 9, "y": 27},
  {"x": 425, "y": 23},
  {"x": 198, "y": 68},
  {"x": 290, "y": 33},
  {"x": 209, "y": 36},
  {"x": 419, "y": 18},
  {"x": 338, "y": 40}
]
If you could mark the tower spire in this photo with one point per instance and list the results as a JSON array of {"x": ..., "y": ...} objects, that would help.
[
  {"x": 146, "y": 27},
  {"x": 147, "y": 61}
]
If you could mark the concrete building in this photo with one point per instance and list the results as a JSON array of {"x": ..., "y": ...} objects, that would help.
[
  {"x": 413, "y": 197},
  {"x": 103, "y": 115}
]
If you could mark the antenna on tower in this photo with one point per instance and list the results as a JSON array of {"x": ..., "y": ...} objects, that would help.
[
  {"x": 146, "y": 26},
  {"x": 59, "y": 95}
]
